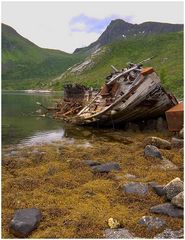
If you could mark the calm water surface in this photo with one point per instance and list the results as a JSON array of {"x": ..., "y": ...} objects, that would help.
[{"x": 21, "y": 123}]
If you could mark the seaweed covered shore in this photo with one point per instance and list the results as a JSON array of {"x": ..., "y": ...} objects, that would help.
[{"x": 76, "y": 199}]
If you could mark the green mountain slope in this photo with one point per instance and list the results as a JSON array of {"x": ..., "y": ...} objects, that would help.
[
  {"x": 26, "y": 65},
  {"x": 168, "y": 63}
]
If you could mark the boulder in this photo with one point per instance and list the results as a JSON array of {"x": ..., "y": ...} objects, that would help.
[
  {"x": 169, "y": 234},
  {"x": 90, "y": 163},
  {"x": 24, "y": 222},
  {"x": 173, "y": 188},
  {"x": 152, "y": 151},
  {"x": 158, "y": 142},
  {"x": 178, "y": 200},
  {"x": 118, "y": 233},
  {"x": 152, "y": 222},
  {"x": 167, "y": 209},
  {"x": 159, "y": 190},
  {"x": 177, "y": 143},
  {"x": 135, "y": 188},
  {"x": 166, "y": 164},
  {"x": 107, "y": 167}
]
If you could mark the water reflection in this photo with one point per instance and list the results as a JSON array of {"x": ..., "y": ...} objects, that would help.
[{"x": 44, "y": 137}]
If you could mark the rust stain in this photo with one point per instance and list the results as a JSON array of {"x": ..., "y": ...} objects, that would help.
[{"x": 174, "y": 117}]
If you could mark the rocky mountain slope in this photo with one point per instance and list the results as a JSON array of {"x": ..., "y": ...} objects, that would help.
[
  {"x": 119, "y": 29},
  {"x": 168, "y": 62}
]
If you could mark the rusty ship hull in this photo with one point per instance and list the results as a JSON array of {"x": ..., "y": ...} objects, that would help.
[{"x": 128, "y": 95}]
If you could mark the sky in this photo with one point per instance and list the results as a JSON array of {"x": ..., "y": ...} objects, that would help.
[{"x": 70, "y": 25}]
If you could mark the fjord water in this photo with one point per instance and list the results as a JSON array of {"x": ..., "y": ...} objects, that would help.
[{"x": 21, "y": 122}]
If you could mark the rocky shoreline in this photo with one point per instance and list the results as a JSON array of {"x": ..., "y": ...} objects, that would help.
[{"x": 122, "y": 185}]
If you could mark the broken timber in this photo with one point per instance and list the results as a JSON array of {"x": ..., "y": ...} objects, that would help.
[{"x": 133, "y": 93}]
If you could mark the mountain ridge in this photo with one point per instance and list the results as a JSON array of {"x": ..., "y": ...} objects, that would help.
[
  {"x": 119, "y": 28},
  {"x": 24, "y": 60}
]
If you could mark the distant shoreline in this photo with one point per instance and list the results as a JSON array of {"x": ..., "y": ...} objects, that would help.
[{"x": 31, "y": 91}]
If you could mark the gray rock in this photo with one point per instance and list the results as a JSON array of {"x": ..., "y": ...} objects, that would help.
[
  {"x": 181, "y": 133},
  {"x": 181, "y": 151},
  {"x": 107, "y": 167},
  {"x": 86, "y": 133},
  {"x": 118, "y": 233},
  {"x": 91, "y": 163},
  {"x": 25, "y": 221},
  {"x": 178, "y": 200},
  {"x": 161, "y": 125},
  {"x": 168, "y": 233},
  {"x": 135, "y": 188},
  {"x": 127, "y": 175},
  {"x": 167, "y": 209},
  {"x": 152, "y": 151},
  {"x": 152, "y": 222},
  {"x": 158, "y": 142},
  {"x": 159, "y": 190},
  {"x": 177, "y": 143},
  {"x": 173, "y": 188},
  {"x": 166, "y": 164}
]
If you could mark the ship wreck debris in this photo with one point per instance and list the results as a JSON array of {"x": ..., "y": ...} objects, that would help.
[{"x": 130, "y": 94}]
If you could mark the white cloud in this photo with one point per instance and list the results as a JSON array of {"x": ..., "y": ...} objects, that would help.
[{"x": 47, "y": 24}]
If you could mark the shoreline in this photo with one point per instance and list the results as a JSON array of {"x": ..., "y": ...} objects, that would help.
[{"x": 57, "y": 179}]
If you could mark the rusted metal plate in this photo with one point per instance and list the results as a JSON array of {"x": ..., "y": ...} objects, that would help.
[
  {"x": 174, "y": 117},
  {"x": 147, "y": 70}
]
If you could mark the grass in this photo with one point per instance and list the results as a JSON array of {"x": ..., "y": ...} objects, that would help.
[
  {"x": 168, "y": 63},
  {"x": 75, "y": 202},
  {"x": 22, "y": 60}
]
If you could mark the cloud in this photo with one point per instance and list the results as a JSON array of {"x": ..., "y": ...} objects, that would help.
[{"x": 83, "y": 23}]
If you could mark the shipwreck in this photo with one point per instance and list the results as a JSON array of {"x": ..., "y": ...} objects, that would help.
[{"x": 130, "y": 94}]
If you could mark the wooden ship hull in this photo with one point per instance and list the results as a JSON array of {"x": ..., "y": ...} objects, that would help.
[{"x": 128, "y": 95}]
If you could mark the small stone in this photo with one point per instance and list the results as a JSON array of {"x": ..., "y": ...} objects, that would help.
[
  {"x": 107, "y": 167},
  {"x": 86, "y": 133},
  {"x": 181, "y": 133},
  {"x": 152, "y": 151},
  {"x": 135, "y": 188},
  {"x": 25, "y": 221},
  {"x": 90, "y": 163},
  {"x": 173, "y": 188},
  {"x": 178, "y": 200},
  {"x": 167, "y": 209},
  {"x": 159, "y": 190},
  {"x": 169, "y": 234},
  {"x": 113, "y": 223},
  {"x": 181, "y": 151},
  {"x": 152, "y": 222},
  {"x": 161, "y": 125},
  {"x": 118, "y": 233},
  {"x": 130, "y": 176},
  {"x": 177, "y": 143},
  {"x": 158, "y": 142}
]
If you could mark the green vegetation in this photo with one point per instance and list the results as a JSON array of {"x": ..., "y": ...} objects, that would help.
[
  {"x": 26, "y": 65},
  {"x": 168, "y": 62},
  {"x": 76, "y": 203}
]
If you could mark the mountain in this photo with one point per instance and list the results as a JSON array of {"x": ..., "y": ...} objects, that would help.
[
  {"x": 168, "y": 62},
  {"x": 119, "y": 29},
  {"x": 26, "y": 65}
]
